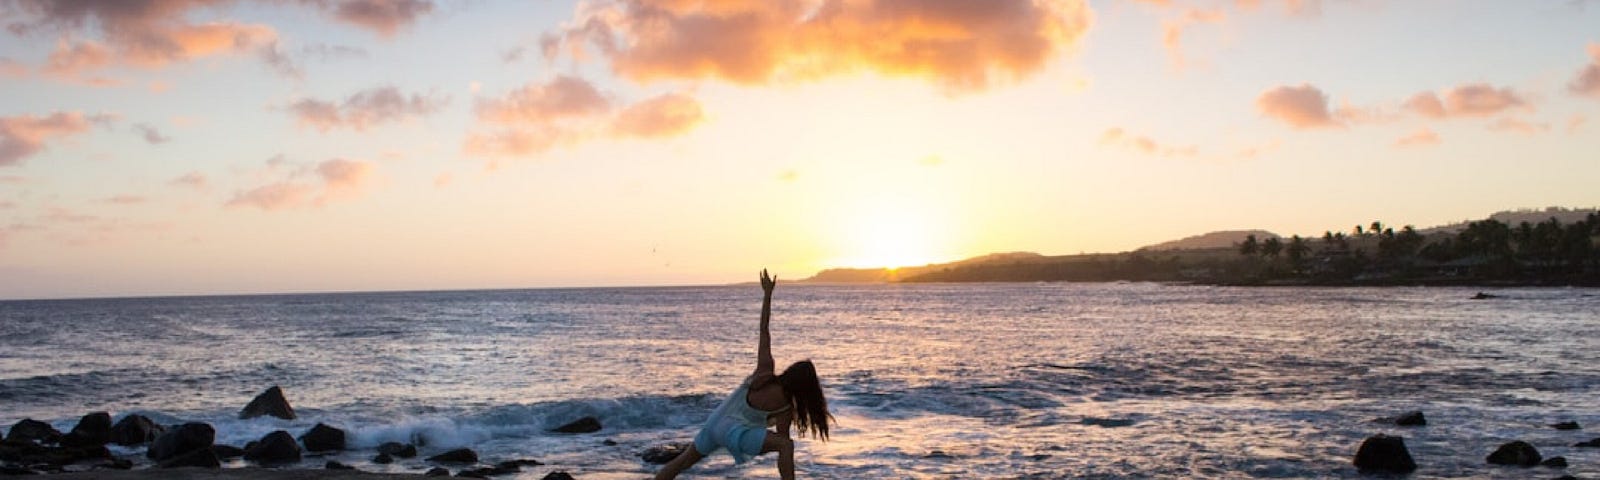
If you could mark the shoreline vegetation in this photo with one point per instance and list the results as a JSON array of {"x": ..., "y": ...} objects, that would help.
[{"x": 1549, "y": 247}]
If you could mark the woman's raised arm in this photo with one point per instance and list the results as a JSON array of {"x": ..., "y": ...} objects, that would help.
[{"x": 764, "y": 363}]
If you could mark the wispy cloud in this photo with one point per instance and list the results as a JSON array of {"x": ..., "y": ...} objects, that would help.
[
  {"x": 1470, "y": 100},
  {"x": 331, "y": 180},
  {"x": 124, "y": 199},
  {"x": 150, "y": 134},
  {"x": 1117, "y": 137},
  {"x": 959, "y": 45},
  {"x": 365, "y": 109},
  {"x": 1515, "y": 125},
  {"x": 1422, "y": 137},
  {"x": 1587, "y": 82},
  {"x": 384, "y": 17},
  {"x": 23, "y": 136},
  {"x": 663, "y": 116},
  {"x": 568, "y": 110},
  {"x": 194, "y": 180},
  {"x": 1302, "y": 107}
]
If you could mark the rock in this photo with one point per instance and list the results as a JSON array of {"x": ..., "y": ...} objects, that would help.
[
  {"x": 609, "y": 442},
  {"x": 1593, "y": 443},
  {"x": 1411, "y": 419},
  {"x": 517, "y": 464},
  {"x": 383, "y": 459},
  {"x": 1515, "y": 453},
  {"x": 203, "y": 458},
  {"x": 1555, "y": 462},
  {"x": 135, "y": 430},
  {"x": 1566, "y": 426},
  {"x": 120, "y": 464},
  {"x": 402, "y": 450},
  {"x": 474, "y": 473},
  {"x": 16, "y": 470},
  {"x": 663, "y": 453},
  {"x": 459, "y": 455},
  {"x": 437, "y": 472},
  {"x": 270, "y": 402},
  {"x": 582, "y": 425},
  {"x": 323, "y": 438},
  {"x": 557, "y": 475},
  {"x": 92, "y": 430},
  {"x": 30, "y": 430},
  {"x": 1384, "y": 453},
  {"x": 227, "y": 451},
  {"x": 332, "y": 465},
  {"x": 182, "y": 440},
  {"x": 276, "y": 448},
  {"x": 1484, "y": 296}
]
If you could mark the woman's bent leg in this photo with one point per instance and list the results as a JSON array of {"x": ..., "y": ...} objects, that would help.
[
  {"x": 679, "y": 464},
  {"x": 785, "y": 448}
]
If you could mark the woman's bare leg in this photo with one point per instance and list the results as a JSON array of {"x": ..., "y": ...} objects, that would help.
[
  {"x": 785, "y": 447},
  {"x": 679, "y": 464}
]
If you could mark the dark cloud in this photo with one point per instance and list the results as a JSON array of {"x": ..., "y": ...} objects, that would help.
[{"x": 365, "y": 109}]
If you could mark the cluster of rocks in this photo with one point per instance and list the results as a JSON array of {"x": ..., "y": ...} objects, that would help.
[
  {"x": 1388, "y": 454},
  {"x": 32, "y": 446}
]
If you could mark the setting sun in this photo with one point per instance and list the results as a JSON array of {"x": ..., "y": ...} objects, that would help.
[{"x": 890, "y": 232}]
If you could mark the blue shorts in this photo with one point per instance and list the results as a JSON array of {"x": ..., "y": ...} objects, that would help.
[{"x": 742, "y": 441}]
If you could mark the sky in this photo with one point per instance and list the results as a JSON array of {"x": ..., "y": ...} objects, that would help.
[{"x": 176, "y": 147}]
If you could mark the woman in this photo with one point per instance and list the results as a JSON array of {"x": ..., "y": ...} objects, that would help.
[{"x": 740, "y": 423}]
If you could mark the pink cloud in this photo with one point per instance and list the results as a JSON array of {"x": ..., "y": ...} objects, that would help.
[
  {"x": 518, "y": 142},
  {"x": 1576, "y": 122},
  {"x": 1422, "y": 137},
  {"x": 1471, "y": 100},
  {"x": 124, "y": 200},
  {"x": 1172, "y": 31},
  {"x": 1514, "y": 125},
  {"x": 1117, "y": 137},
  {"x": 663, "y": 116},
  {"x": 331, "y": 180},
  {"x": 385, "y": 17},
  {"x": 364, "y": 109},
  {"x": 23, "y": 136},
  {"x": 1302, "y": 107},
  {"x": 561, "y": 98},
  {"x": 190, "y": 180},
  {"x": 959, "y": 45},
  {"x": 1588, "y": 80}
]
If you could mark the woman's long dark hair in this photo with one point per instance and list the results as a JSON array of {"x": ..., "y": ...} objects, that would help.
[{"x": 805, "y": 393}]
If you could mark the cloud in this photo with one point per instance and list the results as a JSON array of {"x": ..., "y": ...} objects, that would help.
[
  {"x": 561, "y": 98},
  {"x": 1587, "y": 82},
  {"x": 384, "y": 17},
  {"x": 1576, "y": 122},
  {"x": 1302, "y": 107},
  {"x": 1471, "y": 100},
  {"x": 194, "y": 180},
  {"x": 1117, "y": 137},
  {"x": 331, "y": 180},
  {"x": 959, "y": 45},
  {"x": 663, "y": 116},
  {"x": 124, "y": 200},
  {"x": 1172, "y": 31},
  {"x": 12, "y": 68},
  {"x": 1422, "y": 137},
  {"x": 1514, "y": 125},
  {"x": 150, "y": 134},
  {"x": 519, "y": 142},
  {"x": 23, "y": 136},
  {"x": 364, "y": 109}
]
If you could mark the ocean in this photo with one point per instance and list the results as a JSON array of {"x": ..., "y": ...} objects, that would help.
[{"x": 1035, "y": 381}]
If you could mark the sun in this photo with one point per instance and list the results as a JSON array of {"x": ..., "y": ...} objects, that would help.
[{"x": 889, "y": 233}]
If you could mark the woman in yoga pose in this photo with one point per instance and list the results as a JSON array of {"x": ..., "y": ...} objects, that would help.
[{"x": 739, "y": 425}]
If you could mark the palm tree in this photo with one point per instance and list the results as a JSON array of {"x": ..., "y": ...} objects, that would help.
[
  {"x": 1297, "y": 250},
  {"x": 1250, "y": 245},
  {"x": 1272, "y": 247}
]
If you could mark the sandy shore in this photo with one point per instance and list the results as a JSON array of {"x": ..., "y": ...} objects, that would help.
[{"x": 229, "y": 474}]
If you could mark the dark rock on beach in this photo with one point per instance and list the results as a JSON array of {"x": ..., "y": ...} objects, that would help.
[
  {"x": 1384, "y": 453},
  {"x": 557, "y": 475},
  {"x": 323, "y": 438},
  {"x": 276, "y": 448},
  {"x": 227, "y": 451},
  {"x": 459, "y": 455},
  {"x": 92, "y": 430},
  {"x": 1593, "y": 443},
  {"x": 1518, "y": 453},
  {"x": 517, "y": 464},
  {"x": 661, "y": 454},
  {"x": 402, "y": 450},
  {"x": 332, "y": 465},
  {"x": 15, "y": 470},
  {"x": 1555, "y": 462},
  {"x": 1411, "y": 419},
  {"x": 203, "y": 458},
  {"x": 437, "y": 472},
  {"x": 135, "y": 430},
  {"x": 30, "y": 430},
  {"x": 383, "y": 459},
  {"x": 182, "y": 440},
  {"x": 582, "y": 425},
  {"x": 473, "y": 473},
  {"x": 1566, "y": 426},
  {"x": 270, "y": 402},
  {"x": 1484, "y": 296}
]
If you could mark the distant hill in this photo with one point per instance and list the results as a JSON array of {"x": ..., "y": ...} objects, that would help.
[
  {"x": 1223, "y": 239},
  {"x": 879, "y": 275},
  {"x": 1516, "y": 217}
]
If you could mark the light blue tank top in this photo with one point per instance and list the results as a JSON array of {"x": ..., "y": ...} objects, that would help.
[{"x": 737, "y": 407}]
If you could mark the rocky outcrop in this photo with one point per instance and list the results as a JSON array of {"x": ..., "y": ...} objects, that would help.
[
  {"x": 437, "y": 472},
  {"x": 557, "y": 475},
  {"x": 182, "y": 440},
  {"x": 323, "y": 438},
  {"x": 1517, "y": 453},
  {"x": 276, "y": 448},
  {"x": 1411, "y": 419},
  {"x": 1592, "y": 443},
  {"x": 30, "y": 430},
  {"x": 1384, "y": 453},
  {"x": 270, "y": 403},
  {"x": 459, "y": 455},
  {"x": 135, "y": 430},
  {"x": 1566, "y": 426},
  {"x": 1555, "y": 462},
  {"x": 661, "y": 454},
  {"x": 227, "y": 451},
  {"x": 203, "y": 458},
  {"x": 92, "y": 430},
  {"x": 582, "y": 425},
  {"x": 397, "y": 449}
]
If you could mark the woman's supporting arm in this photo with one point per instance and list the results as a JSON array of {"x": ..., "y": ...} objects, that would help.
[{"x": 764, "y": 363}]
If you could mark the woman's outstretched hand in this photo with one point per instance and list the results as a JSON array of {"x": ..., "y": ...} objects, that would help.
[{"x": 767, "y": 282}]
